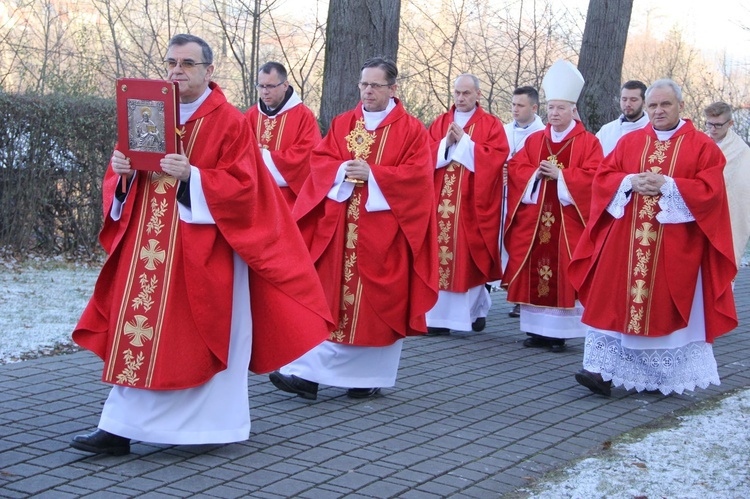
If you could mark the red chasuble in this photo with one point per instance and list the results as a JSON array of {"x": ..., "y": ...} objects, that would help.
[
  {"x": 290, "y": 137},
  {"x": 540, "y": 238},
  {"x": 161, "y": 311},
  {"x": 389, "y": 280},
  {"x": 469, "y": 204},
  {"x": 638, "y": 276}
]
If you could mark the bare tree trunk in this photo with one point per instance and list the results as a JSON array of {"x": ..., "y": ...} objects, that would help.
[
  {"x": 602, "y": 54},
  {"x": 356, "y": 31}
]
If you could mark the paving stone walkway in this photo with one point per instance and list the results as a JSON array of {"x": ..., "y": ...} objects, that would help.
[{"x": 472, "y": 415}]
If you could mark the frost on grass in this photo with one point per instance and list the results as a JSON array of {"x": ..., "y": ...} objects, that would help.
[
  {"x": 40, "y": 303},
  {"x": 699, "y": 458}
]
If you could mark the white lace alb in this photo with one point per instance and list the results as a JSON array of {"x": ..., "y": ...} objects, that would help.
[
  {"x": 667, "y": 370},
  {"x": 673, "y": 207}
]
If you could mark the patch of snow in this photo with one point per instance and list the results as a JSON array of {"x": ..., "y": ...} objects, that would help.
[
  {"x": 40, "y": 305},
  {"x": 706, "y": 455}
]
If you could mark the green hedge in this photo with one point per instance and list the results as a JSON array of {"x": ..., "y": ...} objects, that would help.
[{"x": 53, "y": 153}]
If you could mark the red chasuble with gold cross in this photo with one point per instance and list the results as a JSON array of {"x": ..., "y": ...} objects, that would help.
[
  {"x": 636, "y": 275},
  {"x": 290, "y": 136},
  {"x": 469, "y": 204},
  {"x": 378, "y": 269},
  {"x": 540, "y": 238},
  {"x": 161, "y": 311}
]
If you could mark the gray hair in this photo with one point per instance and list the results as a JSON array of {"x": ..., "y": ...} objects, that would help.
[
  {"x": 665, "y": 83},
  {"x": 474, "y": 79}
]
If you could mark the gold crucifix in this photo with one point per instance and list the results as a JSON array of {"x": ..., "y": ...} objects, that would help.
[{"x": 359, "y": 142}]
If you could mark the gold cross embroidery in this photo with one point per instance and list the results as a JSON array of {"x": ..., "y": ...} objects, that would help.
[
  {"x": 639, "y": 291},
  {"x": 139, "y": 331},
  {"x": 645, "y": 234},
  {"x": 545, "y": 272},
  {"x": 446, "y": 209},
  {"x": 351, "y": 236},
  {"x": 347, "y": 297},
  {"x": 152, "y": 254},
  {"x": 160, "y": 181},
  {"x": 445, "y": 255}
]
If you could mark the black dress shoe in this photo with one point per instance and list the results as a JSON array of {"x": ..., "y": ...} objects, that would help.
[
  {"x": 594, "y": 382},
  {"x": 516, "y": 311},
  {"x": 294, "y": 384},
  {"x": 102, "y": 442},
  {"x": 362, "y": 393},
  {"x": 479, "y": 324},
  {"x": 536, "y": 341},
  {"x": 438, "y": 331},
  {"x": 557, "y": 346}
]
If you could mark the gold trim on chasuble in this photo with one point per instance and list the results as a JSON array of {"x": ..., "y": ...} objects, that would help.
[
  {"x": 646, "y": 239},
  {"x": 264, "y": 131},
  {"x": 448, "y": 213},
  {"x": 359, "y": 142},
  {"x": 144, "y": 303}
]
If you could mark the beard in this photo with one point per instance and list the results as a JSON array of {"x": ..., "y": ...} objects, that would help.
[{"x": 633, "y": 115}]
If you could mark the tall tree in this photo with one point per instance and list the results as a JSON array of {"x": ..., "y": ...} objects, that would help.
[
  {"x": 356, "y": 31},
  {"x": 600, "y": 62}
]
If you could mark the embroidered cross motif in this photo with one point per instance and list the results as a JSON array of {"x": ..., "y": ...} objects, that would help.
[
  {"x": 446, "y": 209},
  {"x": 639, "y": 292},
  {"x": 138, "y": 331},
  {"x": 445, "y": 255},
  {"x": 645, "y": 234},
  {"x": 347, "y": 297},
  {"x": 160, "y": 181},
  {"x": 152, "y": 254},
  {"x": 351, "y": 236}
]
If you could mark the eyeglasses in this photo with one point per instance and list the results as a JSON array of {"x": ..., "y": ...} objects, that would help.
[
  {"x": 716, "y": 126},
  {"x": 268, "y": 87},
  {"x": 375, "y": 86},
  {"x": 184, "y": 63}
]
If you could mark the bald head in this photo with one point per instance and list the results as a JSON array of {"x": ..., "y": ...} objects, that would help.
[{"x": 466, "y": 92}]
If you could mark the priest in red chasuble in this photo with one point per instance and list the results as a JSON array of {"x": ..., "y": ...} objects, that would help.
[
  {"x": 285, "y": 128},
  {"x": 205, "y": 272},
  {"x": 654, "y": 267},
  {"x": 549, "y": 191},
  {"x": 367, "y": 215},
  {"x": 468, "y": 150}
]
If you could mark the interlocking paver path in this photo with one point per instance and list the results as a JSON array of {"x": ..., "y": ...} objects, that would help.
[{"x": 472, "y": 415}]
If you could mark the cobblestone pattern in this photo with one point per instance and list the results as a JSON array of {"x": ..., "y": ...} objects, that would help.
[{"x": 472, "y": 415}]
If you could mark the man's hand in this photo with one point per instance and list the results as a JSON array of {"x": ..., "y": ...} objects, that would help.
[
  {"x": 548, "y": 169},
  {"x": 454, "y": 134},
  {"x": 121, "y": 165},
  {"x": 647, "y": 183},
  {"x": 357, "y": 169},
  {"x": 176, "y": 165}
]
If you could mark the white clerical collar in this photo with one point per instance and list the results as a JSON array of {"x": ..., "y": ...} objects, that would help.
[
  {"x": 663, "y": 135},
  {"x": 374, "y": 118},
  {"x": 187, "y": 109},
  {"x": 559, "y": 136},
  {"x": 462, "y": 117}
]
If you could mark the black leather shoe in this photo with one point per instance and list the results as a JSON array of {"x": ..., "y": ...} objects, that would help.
[
  {"x": 536, "y": 341},
  {"x": 557, "y": 346},
  {"x": 479, "y": 324},
  {"x": 362, "y": 393},
  {"x": 102, "y": 442},
  {"x": 438, "y": 331},
  {"x": 294, "y": 384},
  {"x": 516, "y": 312},
  {"x": 594, "y": 382}
]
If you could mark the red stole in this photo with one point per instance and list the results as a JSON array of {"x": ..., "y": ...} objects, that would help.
[
  {"x": 449, "y": 214},
  {"x": 355, "y": 306},
  {"x": 135, "y": 340},
  {"x": 546, "y": 264}
]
